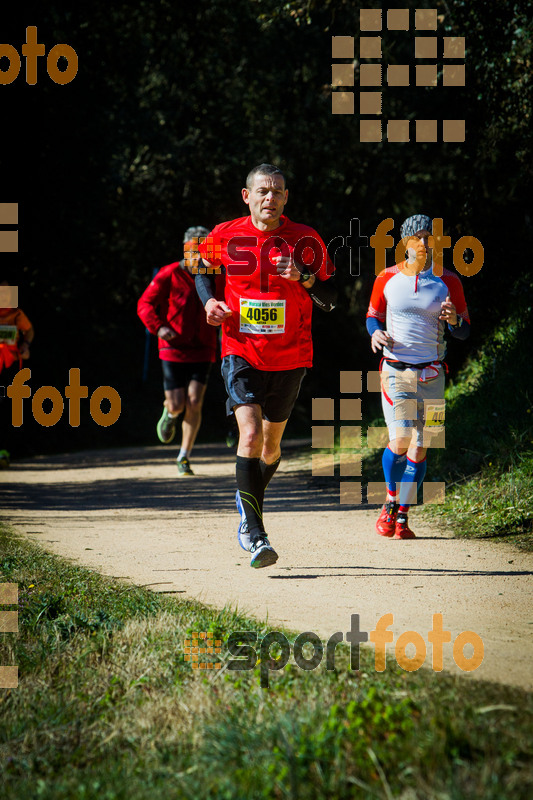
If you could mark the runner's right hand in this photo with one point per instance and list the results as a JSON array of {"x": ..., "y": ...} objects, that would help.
[
  {"x": 217, "y": 311},
  {"x": 286, "y": 268},
  {"x": 166, "y": 333}
]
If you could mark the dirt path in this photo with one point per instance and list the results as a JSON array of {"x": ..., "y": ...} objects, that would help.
[{"x": 125, "y": 514}]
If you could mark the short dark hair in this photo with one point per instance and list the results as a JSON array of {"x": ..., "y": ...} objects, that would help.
[{"x": 263, "y": 169}]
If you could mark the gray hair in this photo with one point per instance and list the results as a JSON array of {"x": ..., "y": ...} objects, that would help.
[{"x": 196, "y": 232}]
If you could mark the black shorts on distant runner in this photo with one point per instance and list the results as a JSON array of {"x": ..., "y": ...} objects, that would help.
[
  {"x": 178, "y": 375},
  {"x": 274, "y": 391}
]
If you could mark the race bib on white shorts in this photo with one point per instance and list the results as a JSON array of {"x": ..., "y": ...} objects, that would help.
[
  {"x": 262, "y": 316},
  {"x": 434, "y": 413}
]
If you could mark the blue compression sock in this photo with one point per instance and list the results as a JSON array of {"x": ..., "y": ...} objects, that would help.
[
  {"x": 415, "y": 472},
  {"x": 393, "y": 468}
]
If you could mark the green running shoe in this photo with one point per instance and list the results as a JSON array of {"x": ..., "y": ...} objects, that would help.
[
  {"x": 184, "y": 468},
  {"x": 166, "y": 427}
]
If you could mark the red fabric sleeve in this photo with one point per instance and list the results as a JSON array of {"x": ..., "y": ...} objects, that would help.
[
  {"x": 150, "y": 306},
  {"x": 378, "y": 304}
]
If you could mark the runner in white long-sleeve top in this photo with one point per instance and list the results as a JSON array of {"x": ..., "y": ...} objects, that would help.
[{"x": 410, "y": 310}]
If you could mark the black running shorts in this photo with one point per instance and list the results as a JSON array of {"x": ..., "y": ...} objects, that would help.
[
  {"x": 275, "y": 392},
  {"x": 178, "y": 375}
]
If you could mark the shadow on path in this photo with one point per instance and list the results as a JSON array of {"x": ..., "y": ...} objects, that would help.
[
  {"x": 290, "y": 491},
  {"x": 397, "y": 572}
]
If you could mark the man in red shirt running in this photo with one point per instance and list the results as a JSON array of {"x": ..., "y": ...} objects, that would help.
[
  {"x": 275, "y": 270},
  {"x": 171, "y": 310}
]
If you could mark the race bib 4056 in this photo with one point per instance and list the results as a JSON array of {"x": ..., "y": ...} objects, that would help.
[{"x": 262, "y": 316}]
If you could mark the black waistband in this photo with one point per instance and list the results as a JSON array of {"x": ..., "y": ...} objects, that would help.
[{"x": 403, "y": 365}]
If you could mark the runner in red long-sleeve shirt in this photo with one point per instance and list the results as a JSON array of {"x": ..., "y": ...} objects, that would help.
[{"x": 171, "y": 310}]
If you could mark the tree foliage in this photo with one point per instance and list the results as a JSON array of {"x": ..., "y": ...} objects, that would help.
[{"x": 174, "y": 103}]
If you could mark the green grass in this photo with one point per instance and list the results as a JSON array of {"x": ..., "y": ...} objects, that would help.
[
  {"x": 492, "y": 505},
  {"x": 488, "y": 459},
  {"x": 107, "y": 708}
]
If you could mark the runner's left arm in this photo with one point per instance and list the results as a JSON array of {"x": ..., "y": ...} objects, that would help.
[
  {"x": 461, "y": 331},
  {"x": 323, "y": 293},
  {"x": 456, "y": 302},
  {"x": 321, "y": 285}
]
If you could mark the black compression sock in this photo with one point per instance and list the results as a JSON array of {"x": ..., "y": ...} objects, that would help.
[
  {"x": 268, "y": 470},
  {"x": 251, "y": 490}
]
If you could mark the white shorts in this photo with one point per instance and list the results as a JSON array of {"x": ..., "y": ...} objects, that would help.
[{"x": 413, "y": 404}]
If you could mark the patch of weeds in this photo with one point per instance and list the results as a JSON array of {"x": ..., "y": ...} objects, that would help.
[{"x": 107, "y": 708}]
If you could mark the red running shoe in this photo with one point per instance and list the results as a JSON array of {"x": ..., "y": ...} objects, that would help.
[
  {"x": 402, "y": 530},
  {"x": 386, "y": 524}
]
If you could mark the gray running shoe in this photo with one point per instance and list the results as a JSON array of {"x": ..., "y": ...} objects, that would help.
[{"x": 263, "y": 554}]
